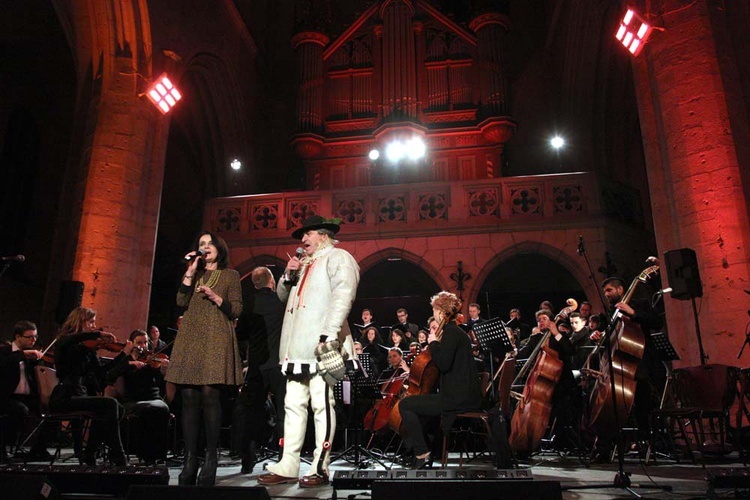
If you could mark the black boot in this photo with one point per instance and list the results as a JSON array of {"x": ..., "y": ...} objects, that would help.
[
  {"x": 207, "y": 477},
  {"x": 189, "y": 470}
]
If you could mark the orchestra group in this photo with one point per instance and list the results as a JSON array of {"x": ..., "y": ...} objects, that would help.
[{"x": 553, "y": 377}]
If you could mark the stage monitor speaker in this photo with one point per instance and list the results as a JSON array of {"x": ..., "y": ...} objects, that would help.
[
  {"x": 71, "y": 295},
  {"x": 142, "y": 492},
  {"x": 80, "y": 479},
  {"x": 682, "y": 274},
  {"x": 27, "y": 487},
  {"x": 488, "y": 489}
]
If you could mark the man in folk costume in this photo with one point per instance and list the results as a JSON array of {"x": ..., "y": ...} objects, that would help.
[{"x": 318, "y": 288}]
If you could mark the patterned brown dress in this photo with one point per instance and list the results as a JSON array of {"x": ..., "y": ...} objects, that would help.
[{"x": 205, "y": 351}]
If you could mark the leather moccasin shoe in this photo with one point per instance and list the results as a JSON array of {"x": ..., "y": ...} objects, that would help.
[
  {"x": 271, "y": 479},
  {"x": 313, "y": 481}
]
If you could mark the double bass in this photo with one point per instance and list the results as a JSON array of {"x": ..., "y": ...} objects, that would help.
[
  {"x": 627, "y": 344},
  {"x": 530, "y": 419}
]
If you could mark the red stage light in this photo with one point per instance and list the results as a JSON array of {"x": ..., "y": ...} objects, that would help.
[
  {"x": 633, "y": 31},
  {"x": 163, "y": 94}
]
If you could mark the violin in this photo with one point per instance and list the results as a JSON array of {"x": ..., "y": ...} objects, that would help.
[
  {"x": 103, "y": 344},
  {"x": 154, "y": 359}
]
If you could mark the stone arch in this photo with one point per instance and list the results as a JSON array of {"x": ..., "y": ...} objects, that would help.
[
  {"x": 399, "y": 253},
  {"x": 573, "y": 265},
  {"x": 413, "y": 293}
]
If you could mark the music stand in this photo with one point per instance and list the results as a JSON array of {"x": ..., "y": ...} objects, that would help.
[
  {"x": 359, "y": 384},
  {"x": 666, "y": 353},
  {"x": 491, "y": 334}
]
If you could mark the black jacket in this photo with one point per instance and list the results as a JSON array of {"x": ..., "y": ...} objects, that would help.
[
  {"x": 10, "y": 373},
  {"x": 459, "y": 380}
]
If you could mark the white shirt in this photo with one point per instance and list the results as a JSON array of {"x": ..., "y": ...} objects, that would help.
[{"x": 23, "y": 386}]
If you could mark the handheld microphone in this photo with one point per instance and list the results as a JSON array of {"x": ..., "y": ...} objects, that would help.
[
  {"x": 13, "y": 258},
  {"x": 198, "y": 253},
  {"x": 294, "y": 275}
]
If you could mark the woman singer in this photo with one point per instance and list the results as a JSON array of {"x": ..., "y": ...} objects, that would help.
[
  {"x": 459, "y": 381},
  {"x": 205, "y": 356}
]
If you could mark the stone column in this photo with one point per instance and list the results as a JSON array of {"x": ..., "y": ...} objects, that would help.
[
  {"x": 695, "y": 129},
  {"x": 121, "y": 182}
]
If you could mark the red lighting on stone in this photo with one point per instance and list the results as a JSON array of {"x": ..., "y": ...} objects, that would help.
[
  {"x": 633, "y": 31},
  {"x": 163, "y": 94}
]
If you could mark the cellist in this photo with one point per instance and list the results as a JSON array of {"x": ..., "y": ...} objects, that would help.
[{"x": 459, "y": 382}]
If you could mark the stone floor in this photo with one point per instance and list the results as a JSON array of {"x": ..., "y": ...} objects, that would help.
[{"x": 687, "y": 480}]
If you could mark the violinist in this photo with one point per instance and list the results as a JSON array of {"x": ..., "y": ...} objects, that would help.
[
  {"x": 18, "y": 389},
  {"x": 81, "y": 377},
  {"x": 138, "y": 379},
  {"x": 459, "y": 381}
]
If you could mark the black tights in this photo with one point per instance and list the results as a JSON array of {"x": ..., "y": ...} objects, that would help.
[{"x": 195, "y": 398}]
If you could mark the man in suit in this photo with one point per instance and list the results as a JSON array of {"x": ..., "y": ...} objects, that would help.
[
  {"x": 410, "y": 329},
  {"x": 18, "y": 388}
]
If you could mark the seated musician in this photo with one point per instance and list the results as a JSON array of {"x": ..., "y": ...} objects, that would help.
[
  {"x": 81, "y": 377},
  {"x": 396, "y": 365},
  {"x": 18, "y": 391},
  {"x": 459, "y": 381},
  {"x": 138, "y": 380}
]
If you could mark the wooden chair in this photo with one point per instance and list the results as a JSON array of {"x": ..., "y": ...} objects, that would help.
[{"x": 469, "y": 425}]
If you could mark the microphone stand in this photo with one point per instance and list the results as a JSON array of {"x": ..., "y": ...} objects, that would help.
[{"x": 622, "y": 478}]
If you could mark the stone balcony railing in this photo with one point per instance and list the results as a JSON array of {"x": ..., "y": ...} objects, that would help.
[{"x": 422, "y": 209}]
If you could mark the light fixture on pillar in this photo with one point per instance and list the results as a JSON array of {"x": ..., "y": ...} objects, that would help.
[
  {"x": 235, "y": 164},
  {"x": 163, "y": 94},
  {"x": 633, "y": 31}
]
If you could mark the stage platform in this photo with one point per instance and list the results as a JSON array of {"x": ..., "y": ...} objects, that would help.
[{"x": 687, "y": 480}]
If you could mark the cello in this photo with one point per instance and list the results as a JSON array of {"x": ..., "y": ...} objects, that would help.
[
  {"x": 627, "y": 344},
  {"x": 530, "y": 419},
  {"x": 423, "y": 377}
]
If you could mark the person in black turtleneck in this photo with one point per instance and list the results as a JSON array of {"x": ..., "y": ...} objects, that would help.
[
  {"x": 81, "y": 376},
  {"x": 459, "y": 381}
]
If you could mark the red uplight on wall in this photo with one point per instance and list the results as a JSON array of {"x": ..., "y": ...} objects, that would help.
[
  {"x": 633, "y": 31},
  {"x": 163, "y": 94}
]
